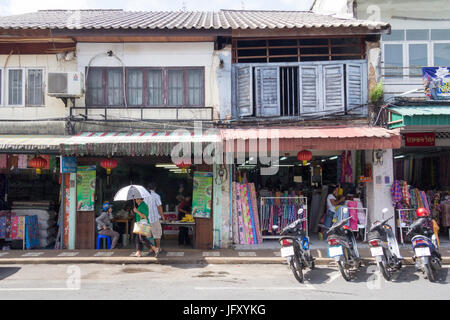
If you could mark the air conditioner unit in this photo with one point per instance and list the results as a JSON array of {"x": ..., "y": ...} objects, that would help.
[{"x": 65, "y": 84}]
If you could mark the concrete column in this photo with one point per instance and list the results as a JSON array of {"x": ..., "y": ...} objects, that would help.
[{"x": 378, "y": 191}]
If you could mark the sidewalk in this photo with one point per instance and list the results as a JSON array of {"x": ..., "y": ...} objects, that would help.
[{"x": 178, "y": 256}]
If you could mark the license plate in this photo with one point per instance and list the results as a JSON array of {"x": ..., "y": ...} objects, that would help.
[
  {"x": 287, "y": 252},
  {"x": 335, "y": 251},
  {"x": 422, "y": 252},
  {"x": 376, "y": 251}
]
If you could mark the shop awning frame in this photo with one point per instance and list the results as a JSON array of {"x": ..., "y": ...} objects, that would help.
[
  {"x": 31, "y": 144},
  {"x": 421, "y": 115}
]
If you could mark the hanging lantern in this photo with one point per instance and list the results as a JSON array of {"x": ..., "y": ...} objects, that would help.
[
  {"x": 108, "y": 164},
  {"x": 184, "y": 165},
  {"x": 304, "y": 156},
  {"x": 38, "y": 163}
]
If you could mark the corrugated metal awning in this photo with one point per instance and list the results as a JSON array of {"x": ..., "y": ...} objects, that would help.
[
  {"x": 132, "y": 143},
  {"x": 316, "y": 138},
  {"x": 31, "y": 143},
  {"x": 426, "y": 115}
]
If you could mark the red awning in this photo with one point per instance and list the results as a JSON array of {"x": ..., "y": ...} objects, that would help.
[{"x": 317, "y": 138}]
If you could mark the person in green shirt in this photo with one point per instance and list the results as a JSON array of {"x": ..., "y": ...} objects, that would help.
[{"x": 141, "y": 213}]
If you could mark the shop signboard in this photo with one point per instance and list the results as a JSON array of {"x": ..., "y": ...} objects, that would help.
[
  {"x": 202, "y": 194},
  {"x": 86, "y": 188},
  {"x": 420, "y": 139},
  {"x": 68, "y": 165},
  {"x": 437, "y": 82}
]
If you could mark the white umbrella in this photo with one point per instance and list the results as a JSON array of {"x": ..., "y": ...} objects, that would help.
[{"x": 131, "y": 193}]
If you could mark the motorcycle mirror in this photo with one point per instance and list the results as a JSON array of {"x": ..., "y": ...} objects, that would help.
[
  {"x": 300, "y": 211},
  {"x": 274, "y": 227}
]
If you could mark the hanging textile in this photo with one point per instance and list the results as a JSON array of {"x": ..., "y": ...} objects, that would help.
[
  {"x": 338, "y": 169},
  {"x": 348, "y": 168},
  {"x": 358, "y": 171},
  {"x": 22, "y": 162},
  {"x": 31, "y": 232},
  {"x": 17, "y": 227},
  {"x": 343, "y": 167},
  {"x": 3, "y": 161},
  {"x": 396, "y": 192},
  {"x": 405, "y": 194},
  {"x": 352, "y": 205}
]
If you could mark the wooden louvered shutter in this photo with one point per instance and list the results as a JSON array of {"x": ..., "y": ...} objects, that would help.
[
  {"x": 268, "y": 91},
  {"x": 244, "y": 92},
  {"x": 309, "y": 89},
  {"x": 333, "y": 87},
  {"x": 356, "y": 88}
]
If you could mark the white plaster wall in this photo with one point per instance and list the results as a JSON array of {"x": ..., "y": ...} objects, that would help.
[
  {"x": 378, "y": 191},
  {"x": 54, "y": 108},
  {"x": 191, "y": 54}
]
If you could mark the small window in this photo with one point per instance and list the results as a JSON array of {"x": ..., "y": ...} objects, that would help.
[
  {"x": 176, "y": 92},
  {"x": 396, "y": 35},
  {"x": 135, "y": 85},
  {"x": 15, "y": 87},
  {"x": 35, "y": 90},
  {"x": 393, "y": 60},
  {"x": 418, "y": 58},
  {"x": 154, "y": 87},
  {"x": 114, "y": 87},
  {"x": 419, "y": 34},
  {"x": 94, "y": 93},
  {"x": 440, "y": 34},
  {"x": 442, "y": 54},
  {"x": 195, "y": 87}
]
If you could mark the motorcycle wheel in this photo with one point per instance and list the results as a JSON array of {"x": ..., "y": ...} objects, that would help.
[
  {"x": 345, "y": 272},
  {"x": 430, "y": 272},
  {"x": 384, "y": 271},
  {"x": 297, "y": 268}
]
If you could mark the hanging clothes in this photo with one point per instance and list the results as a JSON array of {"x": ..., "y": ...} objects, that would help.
[
  {"x": 405, "y": 194},
  {"x": 396, "y": 192},
  {"x": 352, "y": 205},
  {"x": 343, "y": 167},
  {"x": 348, "y": 168}
]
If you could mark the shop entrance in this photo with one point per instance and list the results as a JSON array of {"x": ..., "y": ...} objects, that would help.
[
  {"x": 297, "y": 185},
  {"x": 174, "y": 185}
]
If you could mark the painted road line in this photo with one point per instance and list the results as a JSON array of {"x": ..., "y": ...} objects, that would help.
[
  {"x": 247, "y": 254},
  {"x": 175, "y": 254},
  {"x": 68, "y": 254},
  {"x": 103, "y": 254},
  {"x": 277, "y": 254},
  {"x": 39, "y": 289},
  {"x": 211, "y": 254},
  {"x": 32, "y": 254}
]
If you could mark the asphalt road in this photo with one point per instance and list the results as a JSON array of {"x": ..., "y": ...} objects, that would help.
[{"x": 210, "y": 282}]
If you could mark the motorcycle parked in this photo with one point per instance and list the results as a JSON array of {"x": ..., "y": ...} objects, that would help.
[
  {"x": 384, "y": 247},
  {"x": 295, "y": 248},
  {"x": 343, "y": 248},
  {"x": 426, "y": 252}
]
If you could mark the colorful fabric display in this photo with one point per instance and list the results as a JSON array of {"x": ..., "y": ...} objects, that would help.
[
  {"x": 31, "y": 232},
  {"x": 22, "y": 162},
  {"x": 17, "y": 227},
  {"x": 352, "y": 205}
]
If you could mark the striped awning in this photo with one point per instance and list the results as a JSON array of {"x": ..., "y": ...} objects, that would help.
[
  {"x": 31, "y": 143},
  {"x": 158, "y": 143}
]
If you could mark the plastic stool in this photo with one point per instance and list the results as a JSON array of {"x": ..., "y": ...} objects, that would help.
[{"x": 108, "y": 240}]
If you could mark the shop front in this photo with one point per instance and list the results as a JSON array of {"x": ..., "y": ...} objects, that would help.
[
  {"x": 109, "y": 161},
  {"x": 277, "y": 171},
  {"x": 30, "y": 189},
  {"x": 422, "y": 163}
]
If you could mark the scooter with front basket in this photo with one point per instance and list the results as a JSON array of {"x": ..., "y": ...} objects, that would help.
[
  {"x": 295, "y": 248},
  {"x": 384, "y": 247}
]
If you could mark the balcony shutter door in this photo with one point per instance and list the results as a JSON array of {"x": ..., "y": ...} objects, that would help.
[
  {"x": 333, "y": 85},
  {"x": 356, "y": 88},
  {"x": 268, "y": 91},
  {"x": 244, "y": 92},
  {"x": 309, "y": 89}
]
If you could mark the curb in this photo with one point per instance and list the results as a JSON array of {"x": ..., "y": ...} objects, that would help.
[{"x": 169, "y": 261}]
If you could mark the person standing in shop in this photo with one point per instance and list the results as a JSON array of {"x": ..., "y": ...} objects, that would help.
[
  {"x": 104, "y": 225},
  {"x": 184, "y": 208},
  {"x": 155, "y": 212},
  {"x": 332, "y": 202}
]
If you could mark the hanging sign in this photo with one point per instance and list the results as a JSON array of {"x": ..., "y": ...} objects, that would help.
[
  {"x": 202, "y": 194},
  {"x": 437, "y": 82},
  {"x": 421, "y": 139},
  {"x": 86, "y": 188},
  {"x": 68, "y": 165}
]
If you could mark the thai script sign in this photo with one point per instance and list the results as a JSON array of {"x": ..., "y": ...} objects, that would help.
[{"x": 423, "y": 139}]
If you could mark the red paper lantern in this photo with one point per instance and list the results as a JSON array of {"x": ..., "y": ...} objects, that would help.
[
  {"x": 108, "y": 164},
  {"x": 38, "y": 163},
  {"x": 304, "y": 156}
]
